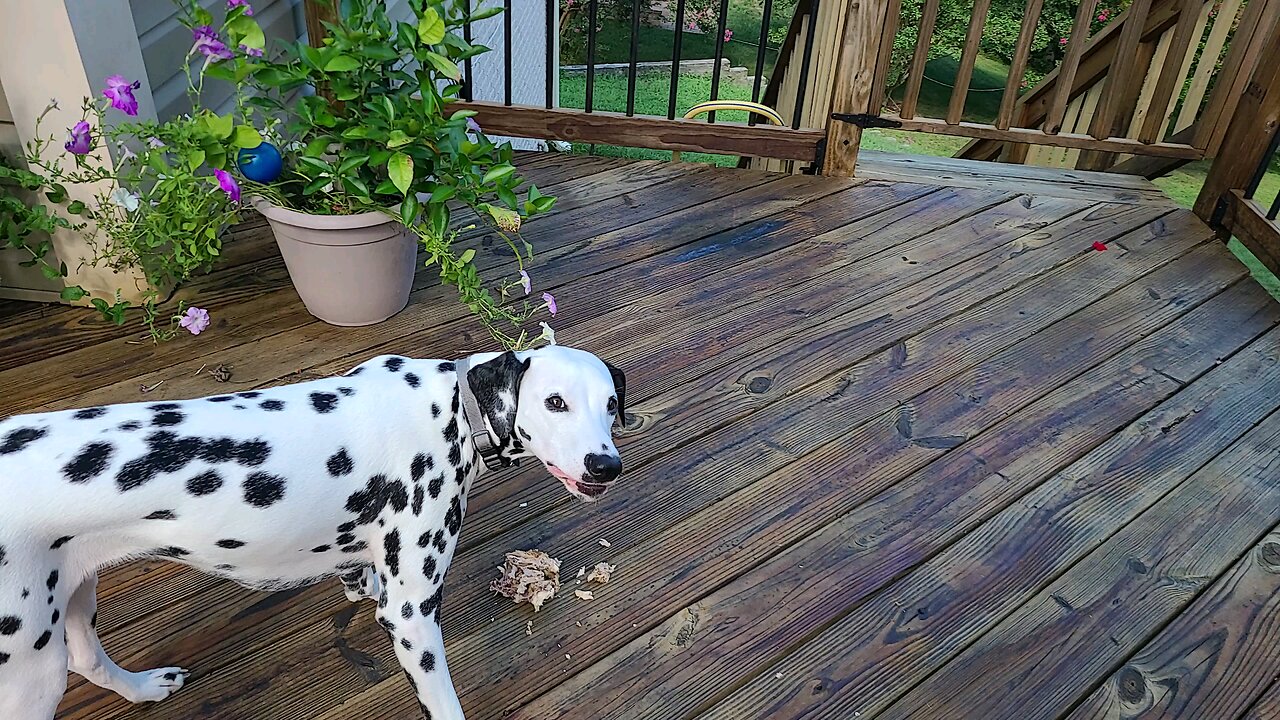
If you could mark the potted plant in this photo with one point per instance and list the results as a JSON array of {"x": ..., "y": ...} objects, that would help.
[
  {"x": 158, "y": 211},
  {"x": 374, "y": 158}
]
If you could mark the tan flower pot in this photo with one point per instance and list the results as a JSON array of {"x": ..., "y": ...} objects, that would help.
[{"x": 348, "y": 269}]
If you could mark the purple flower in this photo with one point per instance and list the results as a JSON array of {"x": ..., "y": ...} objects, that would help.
[
  {"x": 551, "y": 302},
  {"x": 526, "y": 282},
  {"x": 208, "y": 43},
  {"x": 251, "y": 51},
  {"x": 120, "y": 92},
  {"x": 233, "y": 4},
  {"x": 79, "y": 141},
  {"x": 474, "y": 126},
  {"x": 156, "y": 143},
  {"x": 228, "y": 184},
  {"x": 196, "y": 320}
]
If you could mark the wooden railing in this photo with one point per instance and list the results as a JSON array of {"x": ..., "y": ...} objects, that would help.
[{"x": 1228, "y": 200}]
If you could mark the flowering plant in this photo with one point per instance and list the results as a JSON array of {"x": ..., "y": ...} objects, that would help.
[
  {"x": 373, "y": 131},
  {"x": 161, "y": 208}
]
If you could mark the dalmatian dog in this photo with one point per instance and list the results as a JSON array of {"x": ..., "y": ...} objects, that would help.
[{"x": 363, "y": 477}]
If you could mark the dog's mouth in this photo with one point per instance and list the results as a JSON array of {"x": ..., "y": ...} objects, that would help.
[{"x": 582, "y": 489}]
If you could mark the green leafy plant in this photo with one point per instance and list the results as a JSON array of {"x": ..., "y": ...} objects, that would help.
[{"x": 366, "y": 125}]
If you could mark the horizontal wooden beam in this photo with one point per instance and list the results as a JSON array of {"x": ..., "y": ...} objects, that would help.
[
  {"x": 1247, "y": 221},
  {"x": 656, "y": 133},
  {"x": 1038, "y": 137}
]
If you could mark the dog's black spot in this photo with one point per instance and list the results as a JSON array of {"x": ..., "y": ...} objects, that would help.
[
  {"x": 453, "y": 518},
  {"x": 1, "y": 556},
  {"x": 4, "y": 657},
  {"x": 130, "y": 426},
  {"x": 25, "y": 593},
  {"x": 161, "y": 515},
  {"x": 320, "y": 549},
  {"x": 345, "y": 539},
  {"x": 453, "y": 406},
  {"x": 346, "y": 527},
  {"x": 429, "y": 566},
  {"x": 439, "y": 541},
  {"x": 168, "y": 418},
  {"x": 230, "y": 544},
  {"x": 263, "y": 489},
  {"x": 52, "y": 582},
  {"x": 455, "y": 455},
  {"x": 377, "y": 494},
  {"x": 59, "y": 542},
  {"x": 394, "y": 364},
  {"x": 435, "y": 410},
  {"x": 161, "y": 407},
  {"x": 238, "y": 406},
  {"x": 18, "y": 439},
  {"x": 166, "y": 453},
  {"x": 404, "y": 643},
  {"x": 170, "y": 676},
  {"x": 252, "y": 453},
  {"x": 340, "y": 464},
  {"x": 221, "y": 398},
  {"x": 89, "y": 463},
  {"x": 272, "y": 405},
  {"x": 54, "y": 619},
  {"x": 347, "y": 391},
  {"x": 431, "y": 606},
  {"x": 451, "y": 430},
  {"x": 391, "y": 545},
  {"x": 460, "y": 475},
  {"x": 419, "y": 497},
  {"x": 406, "y": 610},
  {"x": 358, "y": 547},
  {"x": 418, "y": 467},
  {"x": 225, "y": 568},
  {"x": 428, "y": 661},
  {"x": 10, "y": 625},
  {"x": 445, "y": 367},
  {"x": 435, "y": 485},
  {"x": 323, "y": 402},
  {"x": 524, "y": 434},
  {"x": 386, "y": 624},
  {"x": 206, "y": 482},
  {"x": 90, "y": 413},
  {"x": 252, "y": 394},
  {"x": 413, "y": 380},
  {"x": 170, "y": 552},
  {"x": 356, "y": 371},
  {"x": 43, "y": 640}
]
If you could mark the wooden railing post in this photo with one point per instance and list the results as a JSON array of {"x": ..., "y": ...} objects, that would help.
[
  {"x": 1248, "y": 136},
  {"x": 853, "y": 87}
]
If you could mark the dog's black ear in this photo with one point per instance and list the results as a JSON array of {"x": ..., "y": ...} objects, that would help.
[
  {"x": 496, "y": 385},
  {"x": 620, "y": 388}
]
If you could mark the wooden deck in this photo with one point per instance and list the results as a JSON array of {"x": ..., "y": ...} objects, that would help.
[{"x": 904, "y": 447}]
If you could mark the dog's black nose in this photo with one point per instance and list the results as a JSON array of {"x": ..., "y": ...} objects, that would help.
[{"x": 604, "y": 468}]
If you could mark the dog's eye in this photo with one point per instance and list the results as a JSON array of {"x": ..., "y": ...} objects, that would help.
[
  {"x": 555, "y": 403},
  {"x": 613, "y": 405}
]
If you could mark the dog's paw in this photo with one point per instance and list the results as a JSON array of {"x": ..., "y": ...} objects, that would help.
[{"x": 155, "y": 685}]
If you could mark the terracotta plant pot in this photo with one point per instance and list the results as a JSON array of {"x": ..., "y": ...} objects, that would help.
[{"x": 348, "y": 269}]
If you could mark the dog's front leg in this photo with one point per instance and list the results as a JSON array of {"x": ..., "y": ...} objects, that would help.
[{"x": 409, "y": 610}]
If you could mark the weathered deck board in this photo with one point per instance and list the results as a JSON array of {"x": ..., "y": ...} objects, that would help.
[{"x": 848, "y": 400}]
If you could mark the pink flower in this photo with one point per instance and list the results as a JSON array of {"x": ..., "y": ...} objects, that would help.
[
  {"x": 1062, "y": 41},
  {"x": 120, "y": 92},
  {"x": 1099, "y": 245},
  {"x": 550, "y": 300},
  {"x": 251, "y": 51},
  {"x": 196, "y": 320},
  {"x": 79, "y": 140},
  {"x": 228, "y": 184},
  {"x": 233, "y": 4},
  {"x": 1102, "y": 17},
  {"x": 526, "y": 282},
  {"x": 728, "y": 35}
]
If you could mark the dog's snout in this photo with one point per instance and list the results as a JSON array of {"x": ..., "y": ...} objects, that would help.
[{"x": 603, "y": 468}]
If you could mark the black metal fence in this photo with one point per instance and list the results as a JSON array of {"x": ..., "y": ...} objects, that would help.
[{"x": 1268, "y": 159}]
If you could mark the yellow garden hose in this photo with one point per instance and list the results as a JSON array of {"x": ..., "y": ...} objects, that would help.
[{"x": 764, "y": 111}]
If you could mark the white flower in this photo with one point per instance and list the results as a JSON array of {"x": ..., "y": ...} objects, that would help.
[
  {"x": 125, "y": 199},
  {"x": 547, "y": 334}
]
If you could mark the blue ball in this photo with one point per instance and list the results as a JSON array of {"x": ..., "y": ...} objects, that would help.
[{"x": 261, "y": 164}]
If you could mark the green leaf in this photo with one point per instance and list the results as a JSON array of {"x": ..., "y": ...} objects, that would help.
[
  {"x": 318, "y": 146},
  {"x": 442, "y": 193},
  {"x": 463, "y": 114},
  {"x": 342, "y": 63},
  {"x": 400, "y": 169},
  {"x": 386, "y": 187},
  {"x": 315, "y": 186},
  {"x": 439, "y": 216},
  {"x": 534, "y": 193},
  {"x": 76, "y": 207},
  {"x": 467, "y": 256},
  {"x": 72, "y": 293},
  {"x": 247, "y": 32},
  {"x": 352, "y": 163},
  {"x": 221, "y": 71},
  {"x": 50, "y": 273},
  {"x": 398, "y": 138},
  {"x": 246, "y": 137},
  {"x": 497, "y": 172},
  {"x": 430, "y": 27},
  {"x": 486, "y": 13},
  {"x": 444, "y": 65},
  {"x": 220, "y": 125},
  {"x": 409, "y": 209},
  {"x": 195, "y": 158}
]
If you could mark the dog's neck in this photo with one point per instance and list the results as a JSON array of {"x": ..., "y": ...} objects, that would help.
[{"x": 494, "y": 450}]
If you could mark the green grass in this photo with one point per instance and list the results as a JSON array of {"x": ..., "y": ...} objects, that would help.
[
  {"x": 613, "y": 42},
  {"x": 983, "y": 101},
  {"x": 652, "y": 94}
]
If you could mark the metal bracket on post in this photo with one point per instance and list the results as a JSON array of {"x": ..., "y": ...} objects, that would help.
[{"x": 866, "y": 121}]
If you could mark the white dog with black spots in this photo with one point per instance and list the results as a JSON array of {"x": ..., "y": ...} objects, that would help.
[{"x": 363, "y": 476}]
